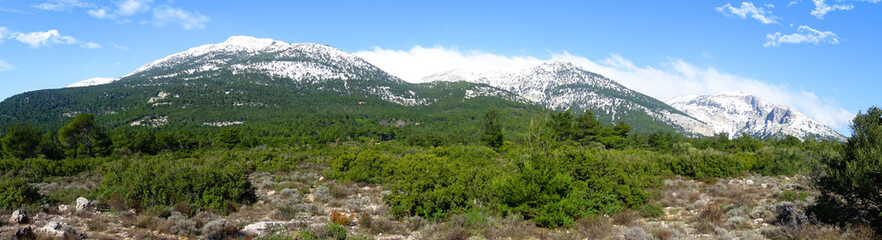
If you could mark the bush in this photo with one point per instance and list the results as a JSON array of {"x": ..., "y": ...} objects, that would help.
[
  {"x": 781, "y": 161},
  {"x": 156, "y": 181},
  {"x": 365, "y": 166},
  {"x": 15, "y": 192},
  {"x": 433, "y": 184},
  {"x": 341, "y": 219},
  {"x": 330, "y": 231},
  {"x": 652, "y": 211}
]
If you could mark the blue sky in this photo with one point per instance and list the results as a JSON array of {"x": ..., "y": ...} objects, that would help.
[{"x": 823, "y": 57}]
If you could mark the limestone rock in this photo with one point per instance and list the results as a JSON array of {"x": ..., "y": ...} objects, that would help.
[
  {"x": 19, "y": 216},
  {"x": 83, "y": 204}
]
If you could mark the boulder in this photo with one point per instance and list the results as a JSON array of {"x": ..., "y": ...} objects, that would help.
[
  {"x": 261, "y": 228},
  {"x": 19, "y": 216},
  {"x": 52, "y": 229},
  {"x": 83, "y": 204}
]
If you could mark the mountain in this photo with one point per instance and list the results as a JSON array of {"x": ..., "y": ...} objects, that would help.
[
  {"x": 561, "y": 86},
  {"x": 737, "y": 113},
  {"x": 253, "y": 81},
  {"x": 93, "y": 82}
]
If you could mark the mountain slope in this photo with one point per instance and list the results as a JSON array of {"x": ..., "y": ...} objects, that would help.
[
  {"x": 561, "y": 86},
  {"x": 252, "y": 81},
  {"x": 737, "y": 113}
]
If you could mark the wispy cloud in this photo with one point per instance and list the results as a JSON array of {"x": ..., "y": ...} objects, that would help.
[
  {"x": 675, "y": 78},
  {"x": 187, "y": 20},
  {"x": 804, "y": 34},
  {"x": 822, "y": 8},
  {"x": 4, "y": 33},
  {"x": 41, "y": 39},
  {"x": 162, "y": 15},
  {"x": 747, "y": 9},
  {"x": 63, "y": 5},
  {"x": 4, "y": 66},
  {"x": 11, "y": 10},
  {"x": 119, "y": 47}
]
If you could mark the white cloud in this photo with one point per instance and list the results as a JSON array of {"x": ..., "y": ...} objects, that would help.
[
  {"x": 62, "y": 5},
  {"x": 119, "y": 47},
  {"x": 792, "y": 3},
  {"x": 187, "y": 20},
  {"x": 100, "y": 13},
  {"x": 162, "y": 15},
  {"x": 822, "y": 8},
  {"x": 676, "y": 78},
  {"x": 804, "y": 34},
  {"x": 4, "y": 66},
  {"x": 748, "y": 9},
  {"x": 12, "y": 10},
  {"x": 418, "y": 62},
  {"x": 132, "y": 7},
  {"x": 40, "y": 39},
  {"x": 90, "y": 45},
  {"x": 4, "y": 33}
]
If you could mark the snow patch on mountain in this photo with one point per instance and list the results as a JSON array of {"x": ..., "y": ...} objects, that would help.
[
  {"x": 93, "y": 82},
  {"x": 735, "y": 113},
  {"x": 562, "y": 85},
  {"x": 269, "y": 56},
  {"x": 307, "y": 63}
]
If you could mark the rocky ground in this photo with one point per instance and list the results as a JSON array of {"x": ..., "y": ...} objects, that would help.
[{"x": 750, "y": 207}]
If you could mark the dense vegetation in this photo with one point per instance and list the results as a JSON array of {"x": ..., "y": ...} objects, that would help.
[{"x": 559, "y": 169}]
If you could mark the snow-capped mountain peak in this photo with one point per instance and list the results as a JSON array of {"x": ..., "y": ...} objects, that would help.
[
  {"x": 563, "y": 85},
  {"x": 281, "y": 59},
  {"x": 735, "y": 113},
  {"x": 93, "y": 82}
]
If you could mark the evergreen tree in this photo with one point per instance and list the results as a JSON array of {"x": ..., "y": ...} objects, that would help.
[
  {"x": 492, "y": 130},
  {"x": 587, "y": 127},
  {"x": 21, "y": 141},
  {"x": 853, "y": 181},
  {"x": 561, "y": 125},
  {"x": 614, "y": 137},
  {"x": 228, "y": 138},
  {"x": 50, "y": 147},
  {"x": 80, "y": 131}
]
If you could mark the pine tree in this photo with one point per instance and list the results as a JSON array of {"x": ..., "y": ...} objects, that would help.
[
  {"x": 21, "y": 141},
  {"x": 80, "y": 130},
  {"x": 561, "y": 125},
  {"x": 587, "y": 127},
  {"x": 853, "y": 181},
  {"x": 228, "y": 138},
  {"x": 492, "y": 130}
]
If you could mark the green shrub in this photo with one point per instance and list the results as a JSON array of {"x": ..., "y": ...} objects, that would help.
[
  {"x": 142, "y": 183},
  {"x": 15, "y": 192},
  {"x": 790, "y": 195},
  {"x": 652, "y": 211},
  {"x": 435, "y": 183},
  {"x": 708, "y": 164},
  {"x": 570, "y": 184},
  {"x": 364, "y": 166},
  {"x": 780, "y": 161}
]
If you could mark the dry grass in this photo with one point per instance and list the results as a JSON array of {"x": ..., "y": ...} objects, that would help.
[
  {"x": 626, "y": 217},
  {"x": 341, "y": 219},
  {"x": 594, "y": 227},
  {"x": 709, "y": 219}
]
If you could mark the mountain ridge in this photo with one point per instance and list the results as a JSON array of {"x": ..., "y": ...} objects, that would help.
[
  {"x": 735, "y": 113},
  {"x": 221, "y": 75},
  {"x": 562, "y": 85}
]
